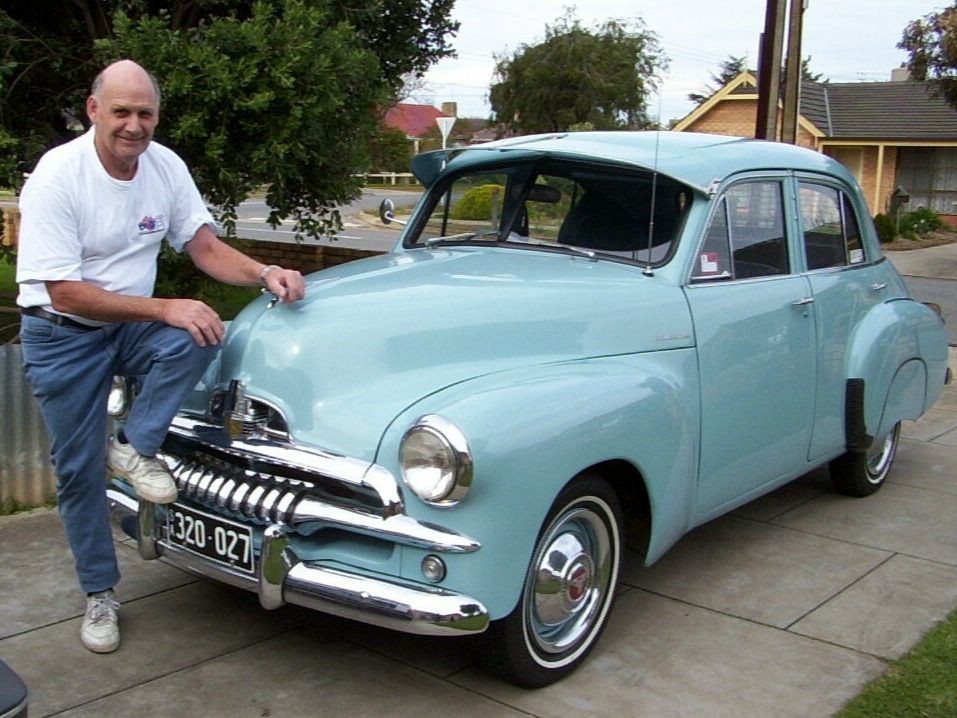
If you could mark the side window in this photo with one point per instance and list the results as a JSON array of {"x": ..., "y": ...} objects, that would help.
[
  {"x": 746, "y": 235},
  {"x": 832, "y": 236},
  {"x": 714, "y": 259}
]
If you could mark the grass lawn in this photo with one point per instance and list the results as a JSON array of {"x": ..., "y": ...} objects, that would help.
[
  {"x": 7, "y": 284},
  {"x": 922, "y": 684}
]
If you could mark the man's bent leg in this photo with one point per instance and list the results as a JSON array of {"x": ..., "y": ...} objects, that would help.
[
  {"x": 70, "y": 373},
  {"x": 170, "y": 363}
]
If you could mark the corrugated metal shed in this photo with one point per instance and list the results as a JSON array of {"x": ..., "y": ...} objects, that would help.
[{"x": 26, "y": 475}]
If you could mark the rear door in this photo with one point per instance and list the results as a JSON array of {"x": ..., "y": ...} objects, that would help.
[{"x": 845, "y": 284}]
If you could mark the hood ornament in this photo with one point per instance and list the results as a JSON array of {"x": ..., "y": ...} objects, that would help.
[{"x": 241, "y": 416}]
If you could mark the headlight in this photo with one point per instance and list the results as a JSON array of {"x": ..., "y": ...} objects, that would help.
[{"x": 436, "y": 462}]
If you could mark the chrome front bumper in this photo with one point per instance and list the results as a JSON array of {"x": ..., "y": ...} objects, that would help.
[{"x": 283, "y": 578}]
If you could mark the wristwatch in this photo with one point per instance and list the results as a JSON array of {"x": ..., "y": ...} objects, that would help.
[{"x": 266, "y": 270}]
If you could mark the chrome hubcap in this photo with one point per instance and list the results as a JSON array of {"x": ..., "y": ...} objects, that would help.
[
  {"x": 572, "y": 575},
  {"x": 880, "y": 456}
]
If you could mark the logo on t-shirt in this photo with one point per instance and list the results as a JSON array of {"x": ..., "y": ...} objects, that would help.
[{"x": 150, "y": 225}]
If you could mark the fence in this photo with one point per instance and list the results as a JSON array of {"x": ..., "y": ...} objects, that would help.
[
  {"x": 26, "y": 476},
  {"x": 11, "y": 226},
  {"x": 392, "y": 178}
]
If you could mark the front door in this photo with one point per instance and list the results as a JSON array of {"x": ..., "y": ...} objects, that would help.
[{"x": 755, "y": 332}]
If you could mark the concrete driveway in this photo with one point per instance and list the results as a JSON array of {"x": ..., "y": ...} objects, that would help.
[{"x": 787, "y": 607}]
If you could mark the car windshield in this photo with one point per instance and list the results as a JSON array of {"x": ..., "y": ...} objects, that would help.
[{"x": 578, "y": 208}]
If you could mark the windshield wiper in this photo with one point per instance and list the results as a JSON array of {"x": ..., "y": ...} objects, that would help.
[
  {"x": 463, "y": 237},
  {"x": 525, "y": 241}
]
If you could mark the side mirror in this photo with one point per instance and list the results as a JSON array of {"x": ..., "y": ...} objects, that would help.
[{"x": 387, "y": 212}]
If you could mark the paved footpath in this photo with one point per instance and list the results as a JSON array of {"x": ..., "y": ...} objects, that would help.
[{"x": 785, "y": 608}]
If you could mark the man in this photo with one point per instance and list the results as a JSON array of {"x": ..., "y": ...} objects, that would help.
[{"x": 93, "y": 214}]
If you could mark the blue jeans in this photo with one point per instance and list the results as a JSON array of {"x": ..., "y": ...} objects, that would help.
[{"x": 70, "y": 371}]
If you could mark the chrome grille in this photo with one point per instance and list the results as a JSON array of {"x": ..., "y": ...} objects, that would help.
[
  {"x": 260, "y": 497},
  {"x": 269, "y": 482}
]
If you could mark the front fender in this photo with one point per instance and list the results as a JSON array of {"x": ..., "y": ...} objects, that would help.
[
  {"x": 531, "y": 430},
  {"x": 899, "y": 351}
]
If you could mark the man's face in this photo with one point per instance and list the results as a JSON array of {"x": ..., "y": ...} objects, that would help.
[{"x": 124, "y": 116}]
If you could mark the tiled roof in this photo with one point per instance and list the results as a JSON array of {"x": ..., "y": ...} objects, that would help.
[
  {"x": 878, "y": 110},
  {"x": 413, "y": 120}
]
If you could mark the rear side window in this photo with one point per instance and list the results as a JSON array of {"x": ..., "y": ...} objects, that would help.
[
  {"x": 832, "y": 236},
  {"x": 745, "y": 237}
]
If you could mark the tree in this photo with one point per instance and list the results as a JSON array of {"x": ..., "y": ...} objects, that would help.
[
  {"x": 601, "y": 76},
  {"x": 932, "y": 44},
  {"x": 728, "y": 70},
  {"x": 734, "y": 66},
  {"x": 389, "y": 151},
  {"x": 281, "y": 94},
  {"x": 807, "y": 74}
]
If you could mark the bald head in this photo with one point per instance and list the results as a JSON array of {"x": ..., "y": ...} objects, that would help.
[
  {"x": 124, "y": 73},
  {"x": 123, "y": 109}
]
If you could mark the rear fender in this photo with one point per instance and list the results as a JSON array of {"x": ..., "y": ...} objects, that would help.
[{"x": 897, "y": 361}]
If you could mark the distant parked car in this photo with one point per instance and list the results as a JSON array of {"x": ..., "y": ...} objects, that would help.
[{"x": 575, "y": 333}]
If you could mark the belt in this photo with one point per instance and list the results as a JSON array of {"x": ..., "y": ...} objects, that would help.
[{"x": 63, "y": 321}]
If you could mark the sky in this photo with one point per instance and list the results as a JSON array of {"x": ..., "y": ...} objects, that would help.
[{"x": 847, "y": 41}]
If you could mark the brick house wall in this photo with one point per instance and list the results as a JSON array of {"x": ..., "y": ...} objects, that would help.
[
  {"x": 735, "y": 118},
  {"x": 305, "y": 258}
]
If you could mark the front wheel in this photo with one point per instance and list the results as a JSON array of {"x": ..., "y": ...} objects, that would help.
[
  {"x": 568, "y": 589},
  {"x": 862, "y": 473}
]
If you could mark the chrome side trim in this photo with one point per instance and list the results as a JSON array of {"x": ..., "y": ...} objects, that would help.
[{"x": 284, "y": 578}]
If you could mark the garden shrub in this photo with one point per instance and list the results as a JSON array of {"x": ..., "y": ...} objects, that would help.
[
  {"x": 920, "y": 221},
  {"x": 886, "y": 229},
  {"x": 476, "y": 203}
]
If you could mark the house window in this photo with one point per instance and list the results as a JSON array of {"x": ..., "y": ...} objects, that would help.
[{"x": 929, "y": 175}]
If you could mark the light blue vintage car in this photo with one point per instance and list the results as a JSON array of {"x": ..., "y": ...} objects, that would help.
[{"x": 576, "y": 335}]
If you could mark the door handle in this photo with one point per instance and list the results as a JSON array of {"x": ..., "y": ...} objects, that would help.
[
  {"x": 802, "y": 302},
  {"x": 879, "y": 286}
]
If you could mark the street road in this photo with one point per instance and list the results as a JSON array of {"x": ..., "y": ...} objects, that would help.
[
  {"x": 939, "y": 291},
  {"x": 252, "y": 214}
]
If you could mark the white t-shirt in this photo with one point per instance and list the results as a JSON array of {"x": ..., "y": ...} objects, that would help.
[{"x": 79, "y": 223}]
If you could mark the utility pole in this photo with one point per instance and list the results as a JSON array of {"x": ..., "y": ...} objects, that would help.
[
  {"x": 792, "y": 73},
  {"x": 769, "y": 70}
]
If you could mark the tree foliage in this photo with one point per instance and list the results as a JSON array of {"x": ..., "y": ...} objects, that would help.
[
  {"x": 931, "y": 42},
  {"x": 281, "y": 94},
  {"x": 601, "y": 76},
  {"x": 729, "y": 69},
  {"x": 389, "y": 151},
  {"x": 810, "y": 75},
  {"x": 734, "y": 66}
]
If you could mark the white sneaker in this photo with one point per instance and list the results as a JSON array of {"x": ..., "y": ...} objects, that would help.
[
  {"x": 100, "y": 631},
  {"x": 149, "y": 476}
]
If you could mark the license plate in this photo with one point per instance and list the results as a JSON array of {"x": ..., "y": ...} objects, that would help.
[{"x": 213, "y": 537}]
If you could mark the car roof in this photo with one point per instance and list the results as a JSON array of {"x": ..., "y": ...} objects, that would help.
[{"x": 695, "y": 159}]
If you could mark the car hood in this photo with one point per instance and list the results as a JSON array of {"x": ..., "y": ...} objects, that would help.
[{"x": 373, "y": 337}]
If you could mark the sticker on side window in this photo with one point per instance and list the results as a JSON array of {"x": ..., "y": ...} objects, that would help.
[
  {"x": 708, "y": 263},
  {"x": 856, "y": 256}
]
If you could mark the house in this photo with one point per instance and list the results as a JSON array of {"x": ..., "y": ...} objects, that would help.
[
  {"x": 414, "y": 120},
  {"x": 891, "y": 135},
  {"x": 418, "y": 121}
]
